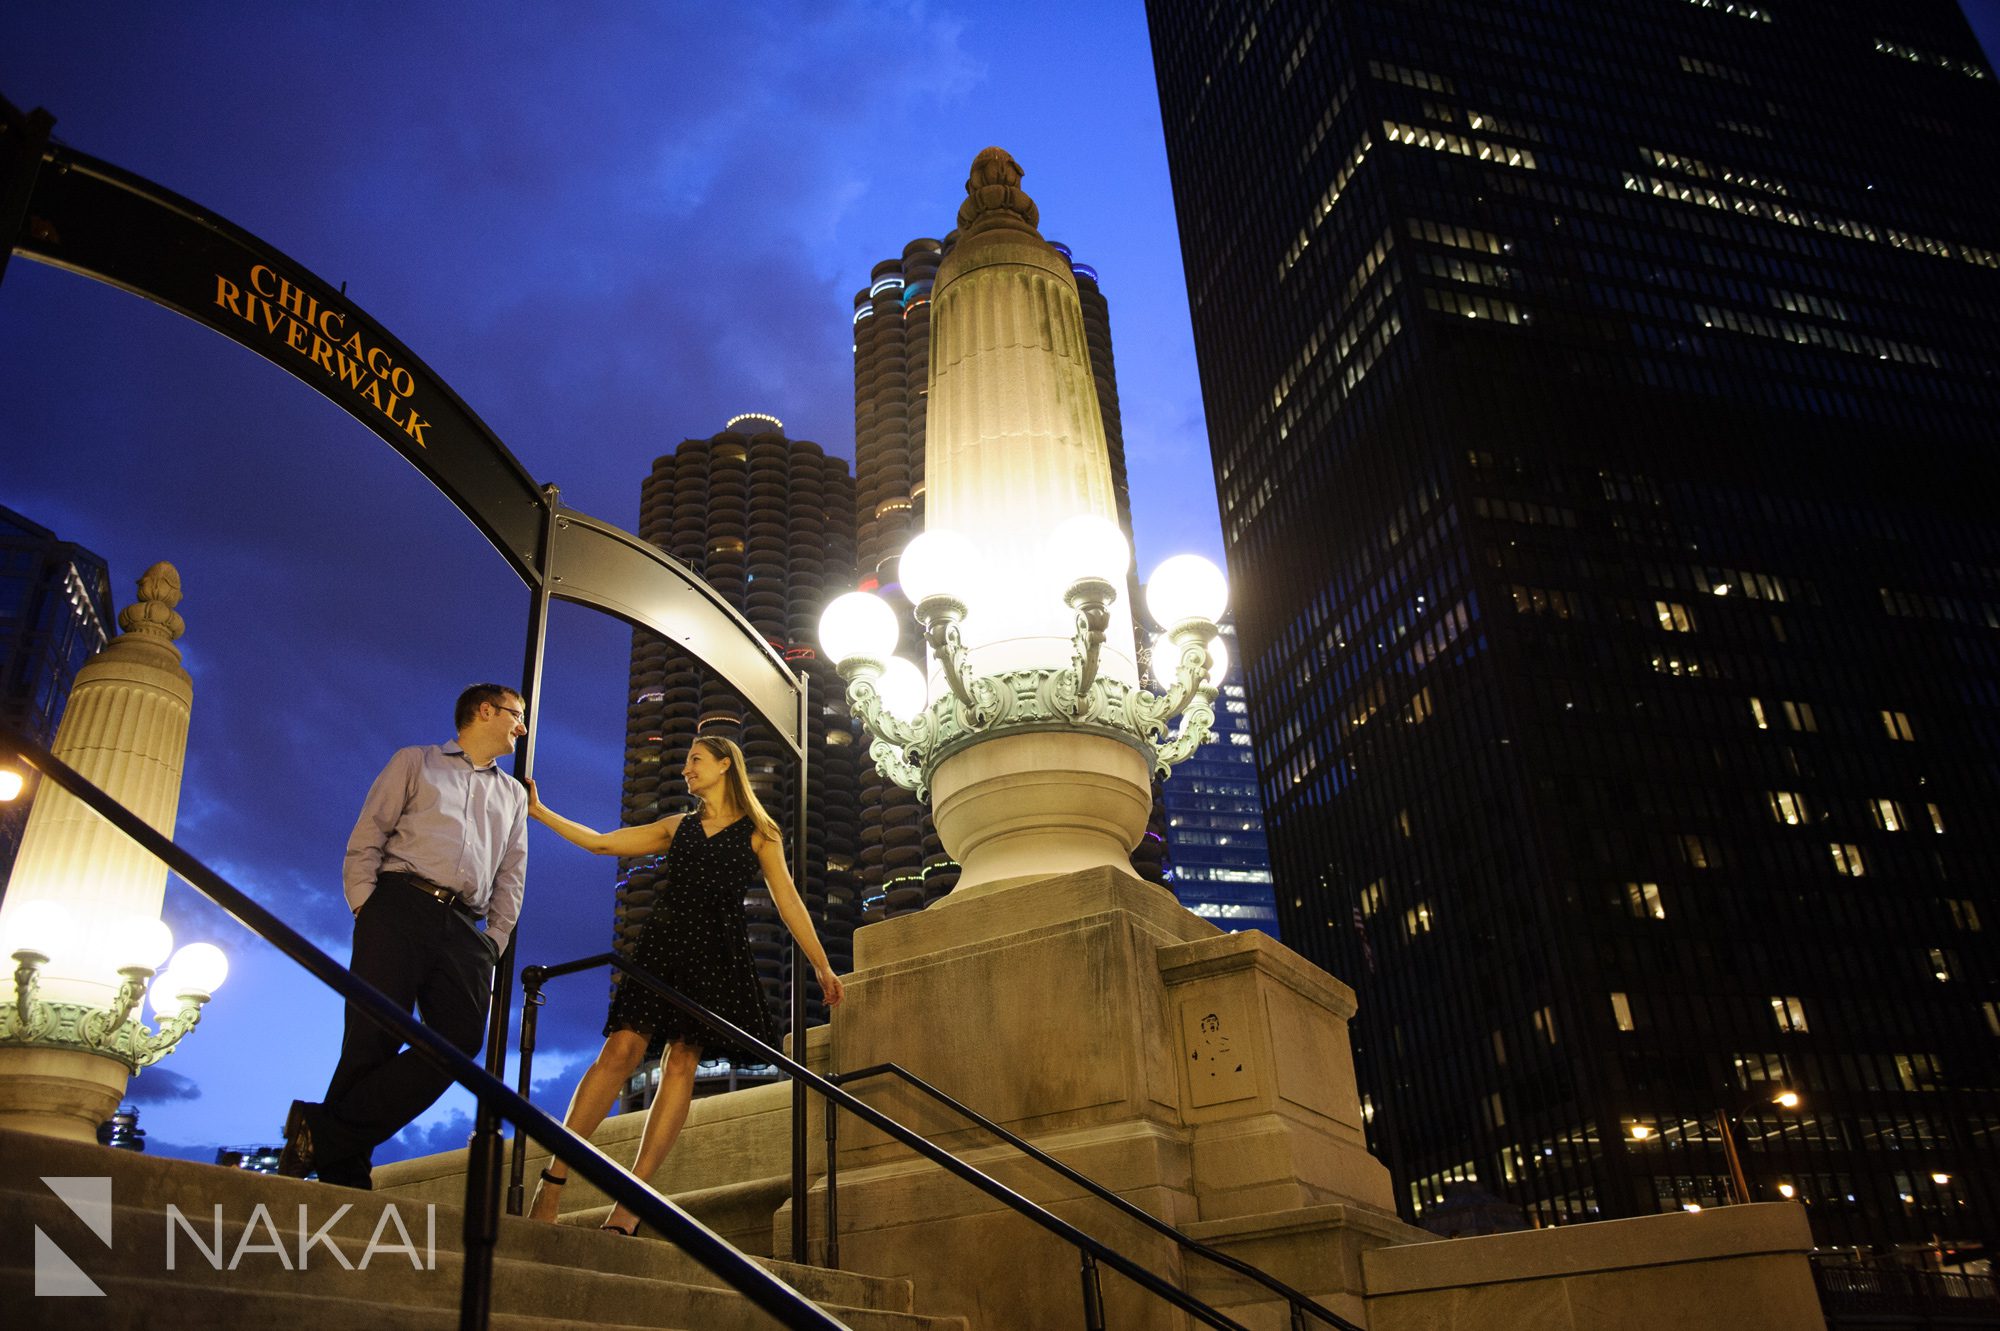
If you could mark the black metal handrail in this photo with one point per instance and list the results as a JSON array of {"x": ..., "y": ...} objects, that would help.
[
  {"x": 762, "y": 1288},
  {"x": 1299, "y": 1303},
  {"x": 1091, "y": 1250}
]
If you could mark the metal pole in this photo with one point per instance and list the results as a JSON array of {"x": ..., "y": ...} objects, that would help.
[
  {"x": 483, "y": 1174},
  {"x": 1093, "y": 1293},
  {"x": 1736, "y": 1178},
  {"x": 531, "y": 1004},
  {"x": 23, "y": 137},
  {"x": 832, "y": 1184},
  {"x": 799, "y": 965}
]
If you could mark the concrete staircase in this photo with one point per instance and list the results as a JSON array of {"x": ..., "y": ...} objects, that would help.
[{"x": 252, "y": 1252}]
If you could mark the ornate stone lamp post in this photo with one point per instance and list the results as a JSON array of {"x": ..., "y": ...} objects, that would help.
[
  {"x": 1038, "y": 751},
  {"x": 81, "y": 918}
]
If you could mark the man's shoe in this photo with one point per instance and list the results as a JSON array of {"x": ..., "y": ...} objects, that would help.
[{"x": 296, "y": 1160}]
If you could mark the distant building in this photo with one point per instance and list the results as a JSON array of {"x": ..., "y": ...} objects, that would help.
[
  {"x": 256, "y": 1159},
  {"x": 767, "y": 521},
  {"x": 55, "y": 612},
  {"x": 122, "y": 1132},
  {"x": 1217, "y": 861}
]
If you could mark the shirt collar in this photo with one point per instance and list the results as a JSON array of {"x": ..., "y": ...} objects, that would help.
[{"x": 456, "y": 750}]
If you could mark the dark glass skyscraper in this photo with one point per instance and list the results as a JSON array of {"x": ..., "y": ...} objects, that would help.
[
  {"x": 55, "y": 613},
  {"x": 1600, "y": 395}
]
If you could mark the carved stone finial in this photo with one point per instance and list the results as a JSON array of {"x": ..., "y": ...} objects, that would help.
[
  {"x": 152, "y": 615},
  {"x": 994, "y": 198}
]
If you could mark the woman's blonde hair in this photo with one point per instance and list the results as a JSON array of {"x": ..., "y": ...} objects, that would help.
[{"x": 738, "y": 784}]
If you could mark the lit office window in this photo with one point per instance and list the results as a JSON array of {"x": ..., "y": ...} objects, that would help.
[
  {"x": 1847, "y": 859},
  {"x": 1371, "y": 897},
  {"x": 1673, "y": 616},
  {"x": 1417, "y": 920},
  {"x": 1757, "y": 714},
  {"x": 1545, "y": 1023},
  {"x": 1621, "y": 1011},
  {"x": 1888, "y": 815},
  {"x": 1897, "y": 724},
  {"x": 1940, "y": 965},
  {"x": 1799, "y": 716},
  {"x": 1964, "y": 915},
  {"x": 1787, "y": 806},
  {"x": 1937, "y": 818},
  {"x": 1644, "y": 901},
  {"x": 1790, "y": 1013}
]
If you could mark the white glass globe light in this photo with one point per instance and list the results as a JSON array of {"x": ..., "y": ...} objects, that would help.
[
  {"x": 142, "y": 941},
  {"x": 163, "y": 995},
  {"x": 1167, "y": 661},
  {"x": 938, "y": 563},
  {"x": 905, "y": 692},
  {"x": 1088, "y": 546},
  {"x": 40, "y": 926},
  {"x": 1186, "y": 587},
  {"x": 199, "y": 968},
  {"x": 857, "y": 625},
  {"x": 11, "y": 784}
]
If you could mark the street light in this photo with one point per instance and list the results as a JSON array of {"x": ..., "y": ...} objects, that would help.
[
  {"x": 947, "y": 580},
  {"x": 134, "y": 947},
  {"x": 1725, "y": 1120},
  {"x": 12, "y": 783}
]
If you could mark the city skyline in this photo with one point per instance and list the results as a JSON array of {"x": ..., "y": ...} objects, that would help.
[
  {"x": 542, "y": 217},
  {"x": 339, "y": 148}
]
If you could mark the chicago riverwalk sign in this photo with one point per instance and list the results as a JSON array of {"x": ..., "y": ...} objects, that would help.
[{"x": 71, "y": 211}]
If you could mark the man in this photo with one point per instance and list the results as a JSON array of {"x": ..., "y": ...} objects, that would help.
[{"x": 441, "y": 844}]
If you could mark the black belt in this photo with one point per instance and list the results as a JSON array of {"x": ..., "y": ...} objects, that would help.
[{"x": 430, "y": 889}]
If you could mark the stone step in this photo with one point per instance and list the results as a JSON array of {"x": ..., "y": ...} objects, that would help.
[
  {"x": 134, "y": 1303},
  {"x": 567, "y": 1273}
]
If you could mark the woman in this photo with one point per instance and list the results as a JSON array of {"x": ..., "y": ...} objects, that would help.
[{"x": 696, "y": 941}]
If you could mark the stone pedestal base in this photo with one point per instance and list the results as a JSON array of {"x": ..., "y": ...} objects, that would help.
[
  {"x": 58, "y": 1092},
  {"x": 1027, "y": 807},
  {"x": 1202, "y": 1076}
]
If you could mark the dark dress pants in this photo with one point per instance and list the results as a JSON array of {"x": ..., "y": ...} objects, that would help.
[{"x": 421, "y": 953}]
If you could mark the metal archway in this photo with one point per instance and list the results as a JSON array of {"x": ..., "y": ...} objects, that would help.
[{"x": 72, "y": 211}]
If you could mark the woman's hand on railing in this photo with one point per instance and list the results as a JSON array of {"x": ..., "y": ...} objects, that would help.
[
  {"x": 830, "y": 985},
  {"x": 536, "y": 809}
]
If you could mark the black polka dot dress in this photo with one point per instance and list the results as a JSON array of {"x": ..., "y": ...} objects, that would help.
[{"x": 697, "y": 940}]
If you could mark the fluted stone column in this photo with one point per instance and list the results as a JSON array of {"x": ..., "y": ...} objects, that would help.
[
  {"x": 1015, "y": 446},
  {"x": 125, "y": 729}
]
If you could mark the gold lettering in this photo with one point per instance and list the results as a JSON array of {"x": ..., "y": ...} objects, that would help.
[
  {"x": 381, "y": 371},
  {"x": 293, "y": 299},
  {"x": 336, "y": 317},
  {"x": 373, "y": 393},
  {"x": 295, "y": 335},
  {"x": 322, "y": 354},
  {"x": 353, "y": 344},
  {"x": 272, "y": 315},
  {"x": 415, "y": 427},
  {"x": 227, "y": 295},
  {"x": 350, "y": 372},
  {"x": 258, "y": 286},
  {"x": 400, "y": 380}
]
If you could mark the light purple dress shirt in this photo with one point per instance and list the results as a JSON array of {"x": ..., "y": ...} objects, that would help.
[{"x": 433, "y": 814}]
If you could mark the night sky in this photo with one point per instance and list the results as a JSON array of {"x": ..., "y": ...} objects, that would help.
[{"x": 608, "y": 227}]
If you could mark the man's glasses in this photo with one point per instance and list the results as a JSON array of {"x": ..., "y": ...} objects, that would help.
[{"x": 520, "y": 714}]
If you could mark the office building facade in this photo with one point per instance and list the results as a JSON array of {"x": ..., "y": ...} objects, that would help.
[
  {"x": 1218, "y": 861},
  {"x": 1599, "y": 397},
  {"x": 767, "y": 521},
  {"x": 55, "y": 613}
]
